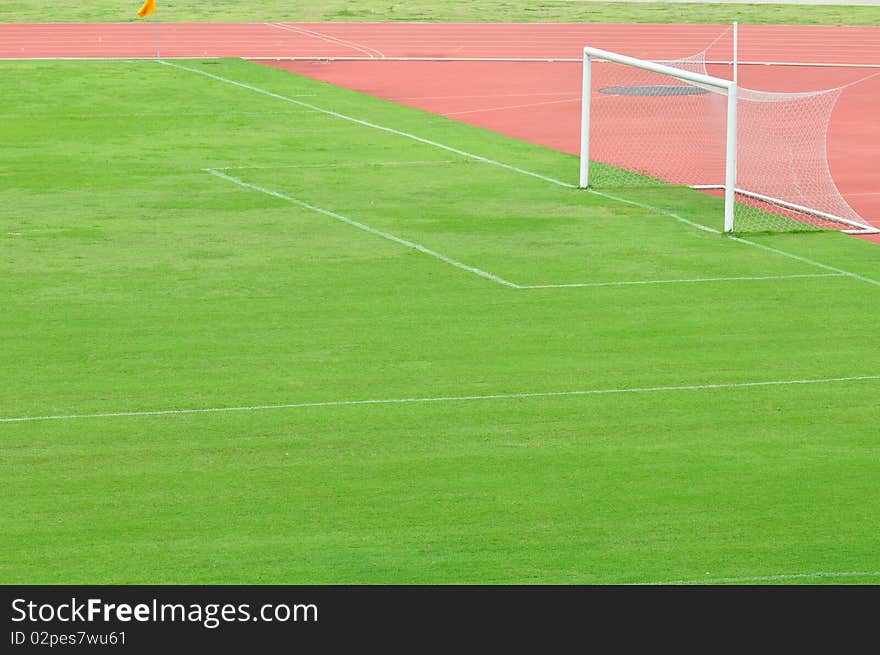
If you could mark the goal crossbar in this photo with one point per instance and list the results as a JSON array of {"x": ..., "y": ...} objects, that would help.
[{"x": 728, "y": 87}]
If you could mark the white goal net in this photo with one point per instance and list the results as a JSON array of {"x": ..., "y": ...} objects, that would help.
[{"x": 648, "y": 123}]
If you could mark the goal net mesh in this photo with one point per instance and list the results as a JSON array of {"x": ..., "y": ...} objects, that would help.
[{"x": 649, "y": 128}]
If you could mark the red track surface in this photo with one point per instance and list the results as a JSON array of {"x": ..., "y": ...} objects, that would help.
[
  {"x": 540, "y": 103},
  {"x": 859, "y": 45},
  {"x": 537, "y": 102}
]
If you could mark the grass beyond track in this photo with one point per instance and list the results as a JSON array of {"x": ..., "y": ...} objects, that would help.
[
  {"x": 493, "y": 11},
  {"x": 657, "y": 431}
]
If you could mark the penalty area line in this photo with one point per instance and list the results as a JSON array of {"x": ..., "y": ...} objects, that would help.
[
  {"x": 509, "y": 167},
  {"x": 366, "y": 228},
  {"x": 679, "y": 281},
  {"x": 442, "y": 399},
  {"x": 485, "y": 274}
]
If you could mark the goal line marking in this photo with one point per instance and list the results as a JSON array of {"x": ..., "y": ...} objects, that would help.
[
  {"x": 486, "y": 274},
  {"x": 358, "y": 121},
  {"x": 808, "y": 261},
  {"x": 442, "y": 399},
  {"x": 493, "y": 162}
]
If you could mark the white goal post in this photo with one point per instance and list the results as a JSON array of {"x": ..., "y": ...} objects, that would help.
[
  {"x": 728, "y": 87},
  {"x": 766, "y": 152}
]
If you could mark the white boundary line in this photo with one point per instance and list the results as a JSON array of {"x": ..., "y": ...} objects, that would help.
[
  {"x": 782, "y": 577},
  {"x": 442, "y": 399},
  {"x": 493, "y": 162},
  {"x": 808, "y": 261},
  {"x": 680, "y": 219},
  {"x": 374, "y": 126},
  {"x": 365, "y": 228},
  {"x": 679, "y": 281},
  {"x": 486, "y": 274}
]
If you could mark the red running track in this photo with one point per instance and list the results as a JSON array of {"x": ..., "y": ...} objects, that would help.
[
  {"x": 767, "y": 43},
  {"x": 537, "y": 102},
  {"x": 540, "y": 103}
]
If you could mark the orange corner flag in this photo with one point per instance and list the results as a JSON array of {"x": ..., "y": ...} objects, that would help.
[{"x": 148, "y": 8}]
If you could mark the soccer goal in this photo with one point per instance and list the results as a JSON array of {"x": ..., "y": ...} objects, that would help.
[{"x": 647, "y": 123}]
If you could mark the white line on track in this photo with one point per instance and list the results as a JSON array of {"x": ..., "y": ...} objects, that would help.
[
  {"x": 555, "y": 94},
  {"x": 365, "y": 228},
  {"x": 441, "y": 399},
  {"x": 502, "y": 108},
  {"x": 515, "y": 169},
  {"x": 546, "y": 59},
  {"x": 330, "y": 58},
  {"x": 782, "y": 577},
  {"x": 371, "y": 52}
]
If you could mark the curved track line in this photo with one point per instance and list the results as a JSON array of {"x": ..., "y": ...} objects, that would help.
[
  {"x": 773, "y": 43},
  {"x": 371, "y": 52}
]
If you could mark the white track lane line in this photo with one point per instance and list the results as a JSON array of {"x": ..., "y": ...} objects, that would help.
[
  {"x": 442, "y": 399},
  {"x": 325, "y": 58},
  {"x": 505, "y": 107},
  {"x": 370, "y": 52}
]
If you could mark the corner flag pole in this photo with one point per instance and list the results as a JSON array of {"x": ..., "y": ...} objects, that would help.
[
  {"x": 149, "y": 7},
  {"x": 156, "y": 25}
]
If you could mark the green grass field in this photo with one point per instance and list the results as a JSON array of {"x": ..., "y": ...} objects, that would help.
[
  {"x": 567, "y": 435},
  {"x": 110, "y": 11}
]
